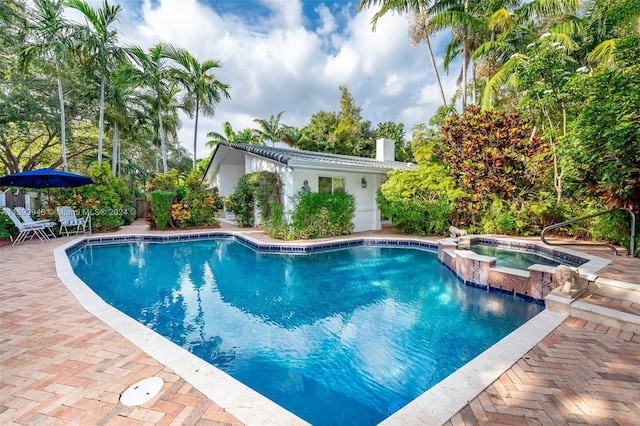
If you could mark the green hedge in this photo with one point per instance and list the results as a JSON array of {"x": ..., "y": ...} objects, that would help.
[
  {"x": 107, "y": 199},
  {"x": 161, "y": 202},
  {"x": 319, "y": 215},
  {"x": 417, "y": 217},
  {"x": 190, "y": 204}
]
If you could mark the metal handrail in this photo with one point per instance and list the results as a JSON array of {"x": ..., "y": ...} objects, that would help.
[{"x": 569, "y": 222}]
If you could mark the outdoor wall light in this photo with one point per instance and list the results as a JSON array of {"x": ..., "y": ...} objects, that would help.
[{"x": 363, "y": 182}]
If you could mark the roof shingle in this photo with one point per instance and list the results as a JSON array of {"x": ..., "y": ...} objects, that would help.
[{"x": 289, "y": 156}]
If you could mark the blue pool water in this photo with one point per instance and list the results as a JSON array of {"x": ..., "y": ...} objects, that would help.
[{"x": 336, "y": 337}]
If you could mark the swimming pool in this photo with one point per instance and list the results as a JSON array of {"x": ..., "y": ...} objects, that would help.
[{"x": 299, "y": 338}]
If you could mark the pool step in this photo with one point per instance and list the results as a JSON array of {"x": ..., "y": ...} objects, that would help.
[
  {"x": 615, "y": 289},
  {"x": 611, "y": 303},
  {"x": 616, "y": 313}
]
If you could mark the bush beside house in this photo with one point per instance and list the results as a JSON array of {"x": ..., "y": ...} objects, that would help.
[
  {"x": 315, "y": 214},
  {"x": 181, "y": 202}
]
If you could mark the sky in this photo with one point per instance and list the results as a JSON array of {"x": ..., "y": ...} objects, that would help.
[{"x": 292, "y": 56}]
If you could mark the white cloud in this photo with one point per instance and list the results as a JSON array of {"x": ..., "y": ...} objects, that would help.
[
  {"x": 393, "y": 85},
  {"x": 328, "y": 21},
  {"x": 277, "y": 62},
  {"x": 287, "y": 14}
]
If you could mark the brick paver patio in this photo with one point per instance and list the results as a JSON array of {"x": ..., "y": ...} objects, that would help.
[
  {"x": 581, "y": 374},
  {"x": 61, "y": 365}
]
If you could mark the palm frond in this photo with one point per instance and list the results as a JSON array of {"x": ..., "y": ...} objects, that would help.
[
  {"x": 498, "y": 48},
  {"x": 501, "y": 20},
  {"x": 501, "y": 78},
  {"x": 603, "y": 53},
  {"x": 564, "y": 40},
  {"x": 571, "y": 26}
]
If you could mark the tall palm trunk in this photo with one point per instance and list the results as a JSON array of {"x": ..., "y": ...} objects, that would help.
[
  {"x": 163, "y": 144},
  {"x": 427, "y": 41},
  {"x": 465, "y": 59},
  {"x": 120, "y": 163},
  {"x": 464, "y": 76},
  {"x": 101, "y": 120},
  {"x": 435, "y": 68},
  {"x": 115, "y": 154},
  {"x": 63, "y": 130},
  {"x": 474, "y": 89},
  {"x": 195, "y": 133}
]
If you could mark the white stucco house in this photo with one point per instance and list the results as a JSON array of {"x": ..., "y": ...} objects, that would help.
[{"x": 358, "y": 176}]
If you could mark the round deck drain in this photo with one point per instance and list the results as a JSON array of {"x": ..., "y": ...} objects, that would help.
[{"x": 142, "y": 391}]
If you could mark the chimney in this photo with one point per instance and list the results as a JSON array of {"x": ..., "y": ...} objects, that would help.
[{"x": 385, "y": 150}]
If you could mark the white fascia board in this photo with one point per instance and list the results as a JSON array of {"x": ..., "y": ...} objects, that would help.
[{"x": 312, "y": 165}]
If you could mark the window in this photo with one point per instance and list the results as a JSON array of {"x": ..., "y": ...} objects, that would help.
[{"x": 330, "y": 185}]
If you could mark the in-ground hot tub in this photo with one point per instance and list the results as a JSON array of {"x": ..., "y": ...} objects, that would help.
[{"x": 533, "y": 276}]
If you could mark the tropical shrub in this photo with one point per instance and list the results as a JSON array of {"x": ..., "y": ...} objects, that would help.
[
  {"x": 164, "y": 182},
  {"x": 241, "y": 202},
  {"x": 7, "y": 228},
  {"x": 200, "y": 204},
  {"x": 319, "y": 214},
  {"x": 107, "y": 199},
  {"x": 267, "y": 193},
  {"x": 490, "y": 153},
  {"x": 607, "y": 132},
  {"x": 498, "y": 218},
  {"x": 276, "y": 225},
  {"x": 612, "y": 227},
  {"x": 259, "y": 189},
  {"x": 416, "y": 217},
  {"x": 191, "y": 204},
  {"x": 161, "y": 203},
  {"x": 180, "y": 214},
  {"x": 420, "y": 201}
]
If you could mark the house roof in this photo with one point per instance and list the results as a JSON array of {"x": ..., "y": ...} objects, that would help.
[{"x": 295, "y": 157}]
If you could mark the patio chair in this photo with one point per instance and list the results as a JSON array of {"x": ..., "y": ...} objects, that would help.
[
  {"x": 68, "y": 220},
  {"x": 26, "y": 218},
  {"x": 36, "y": 229}
]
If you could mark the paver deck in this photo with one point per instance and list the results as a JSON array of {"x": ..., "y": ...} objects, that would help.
[{"x": 61, "y": 365}]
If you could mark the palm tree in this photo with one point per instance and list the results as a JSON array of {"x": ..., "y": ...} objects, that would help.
[
  {"x": 535, "y": 57},
  {"x": 292, "y": 135},
  {"x": 203, "y": 90},
  {"x": 100, "y": 44},
  {"x": 419, "y": 9},
  {"x": 52, "y": 41},
  {"x": 519, "y": 29},
  {"x": 465, "y": 20},
  {"x": 606, "y": 25},
  {"x": 151, "y": 71},
  {"x": 270, "y": 129},
  {"x": 121, "y": 109},
  {"x": 248, "y": 136},
  {"x": 149, "y": 118},
  {"x": 215, "y": 137}
]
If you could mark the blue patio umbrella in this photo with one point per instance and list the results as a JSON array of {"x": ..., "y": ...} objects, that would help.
[{"x": 45, "y": 178}]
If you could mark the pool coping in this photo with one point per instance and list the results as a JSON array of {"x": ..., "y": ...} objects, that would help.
[{"x": 435, "y": 406}]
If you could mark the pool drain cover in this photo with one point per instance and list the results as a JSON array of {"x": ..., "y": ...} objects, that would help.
[{"x": 142, "y": 391}]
